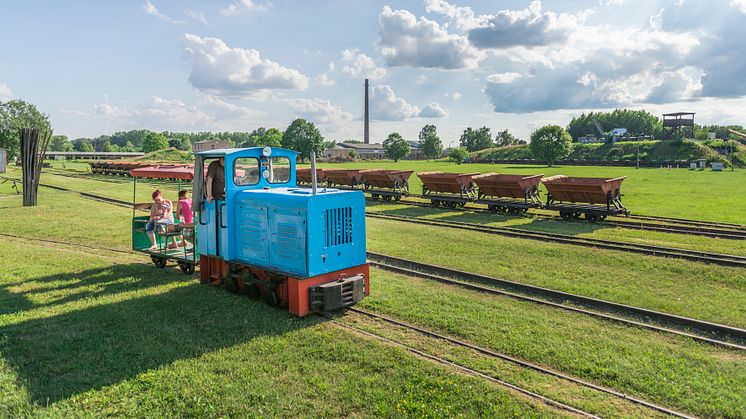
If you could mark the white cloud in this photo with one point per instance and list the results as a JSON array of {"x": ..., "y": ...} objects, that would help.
[
  {"x": 224, "y": 110},
  {"x": 238, "y": 6},
  {"x": 406, "y": 41},
  {"x": 358, "y": 65},
  {"x": 433, "y": 110},
  {"x": 463, "y": 18},
  {"x": 5, "y": 92},
  {"x": 453, "y": 96},
  {"x": 319, "y": 111},
  {"x": 420, "y": 79},
  {"x": 740, "y": 5},
  {"x": 218, "y": 69},
  {"x": 324, "y": 80},
  {"x": 386, "y": 106},
  {"x": 502, "y": 78},
  {"x": 150, "y": 9},
  {"x": 197, "y": 16}
]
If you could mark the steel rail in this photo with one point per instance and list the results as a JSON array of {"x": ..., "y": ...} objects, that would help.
[
  {"x": 650, "y": 250},
  {"x": 710, "y": 333},
  {"x": 517, "y": 361},
  {"x": 463, "y": 368}
]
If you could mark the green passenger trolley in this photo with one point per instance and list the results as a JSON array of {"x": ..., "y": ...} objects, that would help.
[{"x": 164, "y": 177}]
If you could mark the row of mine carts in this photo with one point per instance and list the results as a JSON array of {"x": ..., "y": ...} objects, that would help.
[
  {"x": 116, "y": 168},
  {"x": 572, "y": 197}
]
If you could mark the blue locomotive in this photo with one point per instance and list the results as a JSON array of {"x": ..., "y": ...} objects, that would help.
[{"x": 299, "y": 248}]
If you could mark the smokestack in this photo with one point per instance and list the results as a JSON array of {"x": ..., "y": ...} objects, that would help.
[{"x": 366, "y": 131}]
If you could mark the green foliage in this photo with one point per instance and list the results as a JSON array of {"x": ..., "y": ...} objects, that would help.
[
  {"x": 262, "y": 137},
  {"x": 17, "y": 114},
  {"x": 504, "y": 138},
  {"x": 458, "y": 154},
  {"x": 303, "y": 137},
  {"x": 84, "y": 145},
  {"x": 478, "y": 139},
  {"x": 550, "y": 143},
  {"x": 60, "y": 143},
  {"x": 430, "y": 145},
  {"x": 352, "y": 154},
  {"x": 637, "y": 123},
  {"x": 154, "y": 142},
  {"x": 395, "y": 147},
  {"x": 168, "y": 155}
]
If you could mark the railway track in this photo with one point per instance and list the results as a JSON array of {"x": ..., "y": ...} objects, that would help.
[
  {"x": 698, "y": 330},
  {"x": 692, "y": 255},
  {"x": 496, "y": 355},
  {"x": 650, "y": 250},
  {"x": 636, "y": 222}
]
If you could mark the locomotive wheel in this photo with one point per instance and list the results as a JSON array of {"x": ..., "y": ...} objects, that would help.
[
  {"x": 271, "y": 297},
  {"x": 186, "y": 267},
  {"x": 566, "y": 215},
  {"x": 252, "y": 291},
  {"x": 159, "y": 262},
  {"x": 230, "y": 284}
]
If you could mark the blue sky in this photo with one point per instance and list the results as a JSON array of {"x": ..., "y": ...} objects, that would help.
[{"x": 99, "y": 67}]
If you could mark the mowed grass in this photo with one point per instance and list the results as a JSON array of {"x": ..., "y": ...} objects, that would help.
[
  {"x": 702, "y": 195},
  {"x": 673, "y": 371},
  {"x": 692, "y": 289},
  {"x": 83, "y": 335}
]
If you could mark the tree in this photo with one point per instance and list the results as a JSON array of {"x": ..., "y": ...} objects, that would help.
[
  {"x": 478, "y": 139},
  {"x": 303, "y": 137},
  {"x": 128, "y": 147},
  {"x": 154, "y": 142},
  {"x": 60, "y": 143},
  {"x": 638, "y": 123},
  {"x": 268, "y": 138},
  {"x": 458, "y": 154},
  {"x": 84, "y": 145},
  {"x": 505, "y": 138},
  {"x": 550, "y": 143},
  {"x": 16, "y": 114},
  {"x": 395, "y": 147},
  {"x": 430, "y": 145}
]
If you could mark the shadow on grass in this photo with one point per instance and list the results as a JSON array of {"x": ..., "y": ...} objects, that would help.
[{"x": 79, "y": 350}]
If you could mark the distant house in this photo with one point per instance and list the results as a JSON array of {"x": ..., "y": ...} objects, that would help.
[
  {"x": 336, "y": 152},
  {"x": 414, "y": 150},
  {"x": 209, "y": 145},
  {"x": 364, "y": 151}
]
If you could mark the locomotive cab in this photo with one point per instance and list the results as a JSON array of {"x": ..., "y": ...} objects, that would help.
[{"x": 269, "y": 238}]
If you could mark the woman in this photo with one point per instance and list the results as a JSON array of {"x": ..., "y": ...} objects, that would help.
[
  {"x": 185, "y": 215},
  {"x": 161, "y": 213}
]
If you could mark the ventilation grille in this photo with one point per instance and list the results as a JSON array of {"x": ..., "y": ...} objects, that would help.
[{"x": 338, "y": 226}]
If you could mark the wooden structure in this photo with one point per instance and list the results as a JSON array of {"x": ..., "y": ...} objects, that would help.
[
  {"x": 32, "y": 155},
  {"x": 3, "y": 160},
  {"x": 678, "y": 125}
]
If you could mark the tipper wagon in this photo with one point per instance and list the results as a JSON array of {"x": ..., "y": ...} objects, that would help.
[
  {"x": 509, "y": 193},
  {"x": 595, "y": 198},
  {"x": 387, "y": 184},
  {"x": 448, "y": 189}
]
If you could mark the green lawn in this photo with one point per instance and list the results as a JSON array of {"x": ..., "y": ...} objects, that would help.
[{"x": 81, "y": 336}]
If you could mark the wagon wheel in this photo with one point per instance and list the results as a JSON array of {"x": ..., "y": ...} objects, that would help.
[
  {"x": 452, "y": 204},
  {"x": 591, "y": 218},
  {"x": 524, "y": 210},
  {"x": 159, "y": 262},
  {"x": 577, "y": 215},
  {"x": 186, "y": 267},
  {"x": 397, "y": 198},
  {"x": 492, "y": 208},
  {"x": 435, "y": 202},
  {"x": 374, "y": 196},
  {"x": 602, "y": 217},
  {"x": 387, "y": 197},
  {"x": 566, "y": 215}
]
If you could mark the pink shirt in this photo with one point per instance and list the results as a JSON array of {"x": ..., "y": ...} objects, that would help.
[{"x": 186, "y": 210}]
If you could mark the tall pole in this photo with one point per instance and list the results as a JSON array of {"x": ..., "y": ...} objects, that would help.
[
  {"x": 366, "y": 130},
  {"x": 638, "y": 151}
]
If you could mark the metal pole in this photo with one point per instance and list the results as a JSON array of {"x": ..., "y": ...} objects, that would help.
[
  {"x": 313, "y": 171},
  {"x": 638, "y": 152}
]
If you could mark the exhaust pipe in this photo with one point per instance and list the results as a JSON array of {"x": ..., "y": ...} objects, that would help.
[{"x": 313, "y": 172}]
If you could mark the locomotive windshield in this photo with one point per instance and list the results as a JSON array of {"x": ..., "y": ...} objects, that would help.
[
  {"x": 279, "y": 170},
  {"x": 246, "y": 171}
]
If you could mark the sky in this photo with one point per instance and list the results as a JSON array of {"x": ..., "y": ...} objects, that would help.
[{"x": 97, "y": 67}]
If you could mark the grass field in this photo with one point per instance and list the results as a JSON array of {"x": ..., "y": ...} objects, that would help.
[{"x": 87, "y": 331}]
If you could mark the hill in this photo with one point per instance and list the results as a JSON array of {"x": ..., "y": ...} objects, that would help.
[{"x": 651, "y": 151}]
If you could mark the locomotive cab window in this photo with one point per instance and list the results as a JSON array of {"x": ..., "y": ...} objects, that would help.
[
  {"x": 279, "y": 170},
  {"x": 246, "y": 171}
]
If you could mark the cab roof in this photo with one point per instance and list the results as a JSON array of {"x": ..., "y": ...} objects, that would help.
[{"x": 229, "y": 151}]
